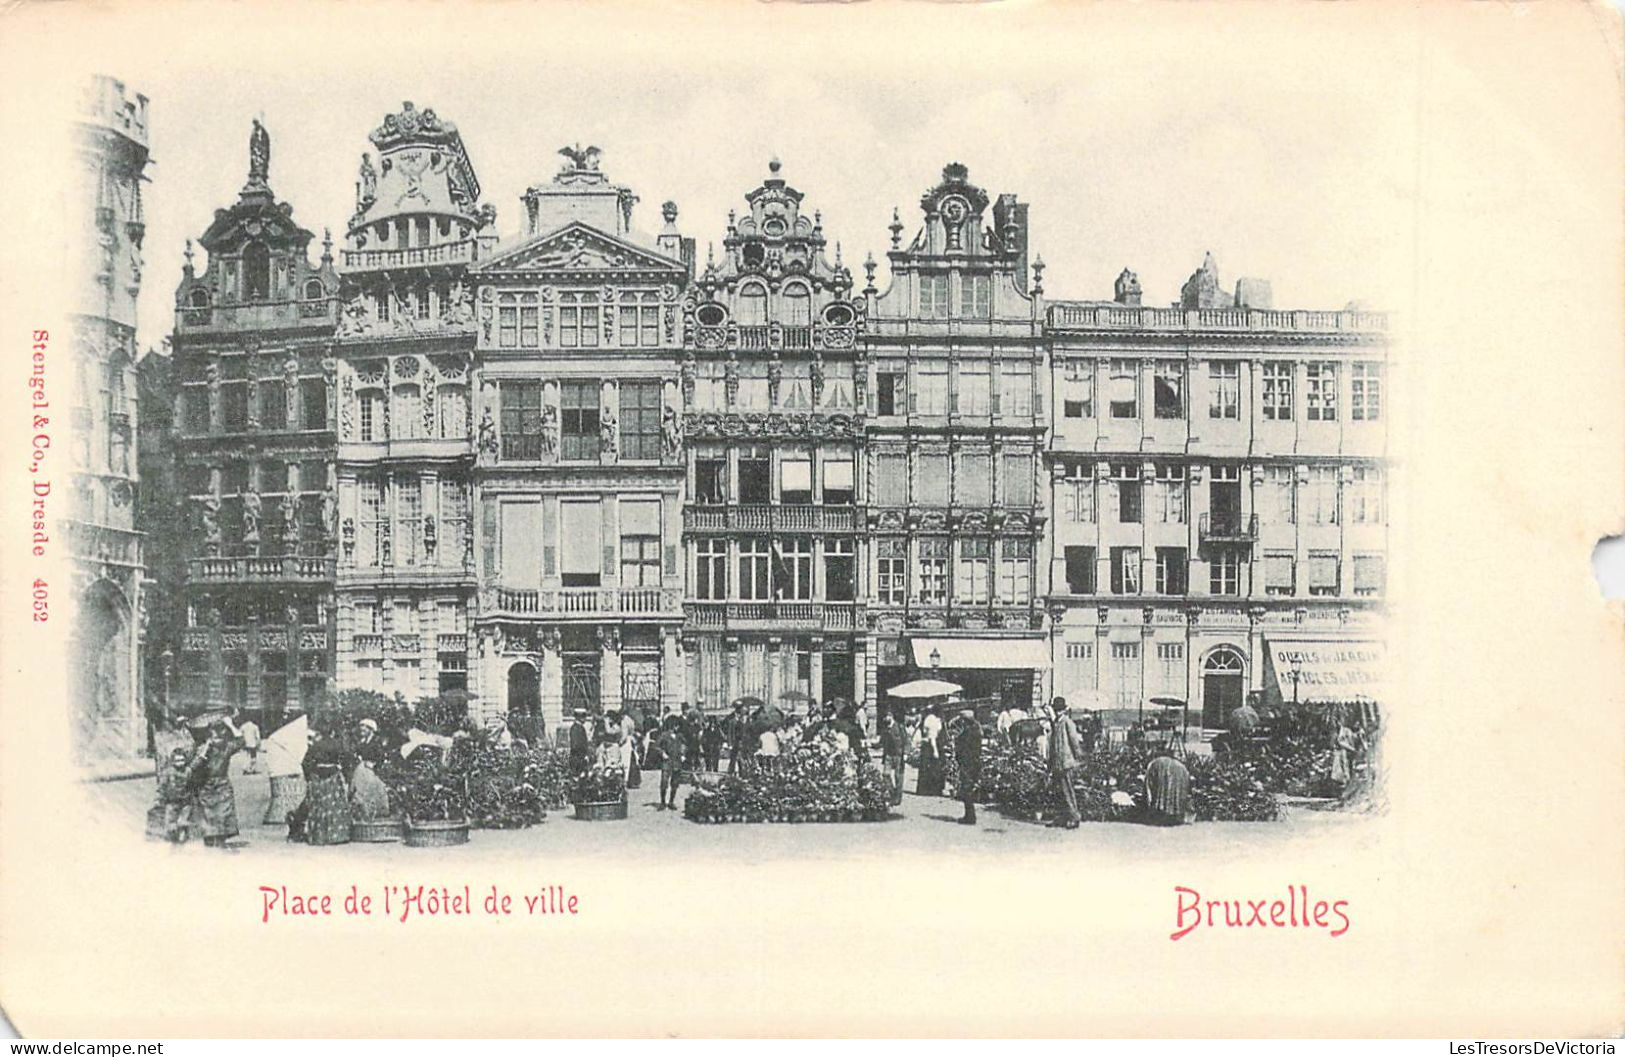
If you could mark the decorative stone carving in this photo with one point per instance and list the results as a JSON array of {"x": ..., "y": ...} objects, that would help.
[
  {"x": 349, "y": 539},
  {"x": 608, "y": 431},
  {"x": 671, "y": 432},
  {"x": 487, "y": 432}
]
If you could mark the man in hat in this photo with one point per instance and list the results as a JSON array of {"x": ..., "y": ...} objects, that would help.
[
  {"x": 580, "y": 743},
  {"x": 249, "y": 731},
  {"x": 1064, "y": 749},
  {"x": 968, "y": 760}
]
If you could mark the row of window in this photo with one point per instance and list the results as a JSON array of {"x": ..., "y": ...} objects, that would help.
[
  {"x": 983, "y": 570},
  {"x": 273, "y": 410},
  {"x": 1168, "y": 399},
  {"x": 583, "y": 322},
  {"x": 579, "y": 547},
  {"x": 779, "y": 569},
  {"x": 1323, "y": 499},
  {"x": 1226, "y": 572},
  {"x": 1123, "y": 651},
  {"x": 751, "y": 479},
  {"x": 409, "y": 414},
  {"x": 393, "y": 529},
  {"x": 275, "y": 476},
  {"x": 971, "y": 481},
  {"x": 925, "y": 389},
  {"x": 958, "y": 294},
  {"x": 529, "y": 430},
  {"x": 755, "y": 389}
]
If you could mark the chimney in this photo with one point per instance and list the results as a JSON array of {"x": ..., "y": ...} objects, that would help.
[
  {"x": 1010, "y": 222},
  {"x": 670, "y": 240},
  {"x": 1254, "y": 293},
  {"x": 1201, "y": 290}
]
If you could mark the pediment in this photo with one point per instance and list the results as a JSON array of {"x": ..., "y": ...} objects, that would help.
[
  {"x": 579, "y": 249},
  {"x": 267, "y": 222}
]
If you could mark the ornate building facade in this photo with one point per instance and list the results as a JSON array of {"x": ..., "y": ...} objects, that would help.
[
  {"x": 1217, "y": 469},
  {"x": 99, "y": 530},
  {"x": 956, "y": 518},
  {"x": 253, "y": 415},
  {"x": 773, "y": 414},
  {"x": 405, "y": 454},
  {"x": 578, "y": 477}
]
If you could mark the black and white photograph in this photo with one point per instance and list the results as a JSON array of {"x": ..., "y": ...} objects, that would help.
[{"x": 587, "y": 480}]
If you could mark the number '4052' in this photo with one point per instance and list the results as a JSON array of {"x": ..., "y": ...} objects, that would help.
[{"x": 42, "y": 602}]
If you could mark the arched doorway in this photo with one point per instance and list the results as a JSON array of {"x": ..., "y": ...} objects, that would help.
[
  {"x": 524, "y": 691},
  {"x": 99, "y": 670},
  {"x": 1224, "y": 680}
]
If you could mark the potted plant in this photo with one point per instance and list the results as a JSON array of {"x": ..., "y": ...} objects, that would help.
[
  {"x": 436, "y": 803},
  {"x": 599, "y": 794}
]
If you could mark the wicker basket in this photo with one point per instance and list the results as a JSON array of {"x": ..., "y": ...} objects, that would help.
[
  {"x": 436, "y": 834},
  {"x": 377, "y": 830},
  {"x": 287, "y": 793},
  {"x": 600, "y": 811}
]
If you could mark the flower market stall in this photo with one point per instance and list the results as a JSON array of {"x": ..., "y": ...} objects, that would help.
[{"x": 817, "y": 782}]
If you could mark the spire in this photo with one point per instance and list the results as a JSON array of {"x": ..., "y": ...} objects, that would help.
[
  {"x": 189, "y": 258},
  {"x": 327, "y": 245},
  {"x": 869, "y": 274},
  {"x": 1038, "y": 275},
  {"x": 896, "y": 229}
]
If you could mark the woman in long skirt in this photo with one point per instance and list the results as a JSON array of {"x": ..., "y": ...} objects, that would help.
[
  {"x": 1168, "y": 790},
  {"x": 211, "y": 781},
  {"x": 327, "y": 812},
  {"x": 932, "y": 778}
]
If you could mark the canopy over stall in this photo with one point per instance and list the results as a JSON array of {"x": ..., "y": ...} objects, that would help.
[
  {"x": 965, "y": 653},
  {"x": 1321, "y": 672}
]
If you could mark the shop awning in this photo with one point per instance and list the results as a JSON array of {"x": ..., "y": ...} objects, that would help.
[
  {"x": 981, "y": 653},
  {"x": 1325, "y": 671}
]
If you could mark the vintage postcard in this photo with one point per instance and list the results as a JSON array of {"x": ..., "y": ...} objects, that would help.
[{"x": 998, "y": 519}]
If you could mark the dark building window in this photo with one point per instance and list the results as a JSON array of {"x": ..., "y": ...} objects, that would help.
[
  {"x": 839, "y": 570},
  {"x": 234, "y": 406},
  {"x": 890, "y": 393},
  {"x": 313, "y": 402},
  {"x": 521, "y": 420},
  {"x": 711, "y": 480},
  {"x": 1171, "y": 570},
  {"x": 579, "y": 428},
  {"x": 640, "y": 420},
  {"x": 755, "y": 479},
  {"x": 195, "y": 410},
  {"x": 273, "y": 405},
  {"x": 1080, "y": 570},
  {"x": 257, "y": 272}
]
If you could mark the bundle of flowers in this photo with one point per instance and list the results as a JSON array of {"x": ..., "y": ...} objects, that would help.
[
  {"x": 812, "y": 784},
  {"x": 599, "y": 784},
  {"x": 1296, "y": 762},
  {"x": 512, "y": 787},
  {"x": 431, "y": 792},
  {"x": 1225, "y": 791}
]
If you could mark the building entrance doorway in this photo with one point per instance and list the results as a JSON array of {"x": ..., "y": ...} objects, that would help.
[{"x": 1223, "y": 680}]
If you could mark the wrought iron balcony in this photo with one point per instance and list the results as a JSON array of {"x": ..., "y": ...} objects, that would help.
[
  {"x": 772, "y": 616},
  {"x": 1228, "y": 528},
  {"x": 764, "y": 517}
]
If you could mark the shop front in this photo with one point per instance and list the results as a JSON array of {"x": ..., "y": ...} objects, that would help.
[
  {"x": 1319, "y": 672},
  {"x": 1007, "y": 670}
]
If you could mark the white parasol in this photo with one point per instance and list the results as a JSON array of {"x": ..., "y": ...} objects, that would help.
[
  {"x": 285, "y": 749},
  {"x": 924, "y": 688}
]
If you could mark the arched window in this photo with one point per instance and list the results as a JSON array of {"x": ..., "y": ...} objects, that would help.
[
  {"x": 753, "y": 306},
  {"x": 199, "y": 298},
  {"x": 406, "y": 414},
  {"x": 256, "y": 272},
  {"x": 1224, "y": 660},
  {"x": 1223, "y": 684},
  {"x": 797, "y": 306},
  {"x": 313, "y": 290}
]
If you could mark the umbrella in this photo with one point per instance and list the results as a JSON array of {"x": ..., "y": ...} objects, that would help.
[
  {"x": 285, "y": 749},
  {"x": 749, "y": 702},
  {"x": 925, "y": 688},
  {"x": 1171, "y": 702}
]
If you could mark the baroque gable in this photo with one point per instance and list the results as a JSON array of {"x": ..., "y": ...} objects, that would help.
[{"x": 578, "y": 251}]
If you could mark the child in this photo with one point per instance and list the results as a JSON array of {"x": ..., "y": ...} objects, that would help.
[
  {"x": 177, "y": 798},
  {"x": 671, "y": 764}
]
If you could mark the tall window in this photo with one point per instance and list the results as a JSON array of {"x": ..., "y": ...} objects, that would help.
[
  {"x": 1015, "y": 571},
  {"x": 1280, "y": 575},
  {"x": 1365, "y": 495},
  {"x": 1224, "y": 572},
  {"x": 975, "y": 296},
  {"x": 891, "y": 393},
  {"x": 578, "y": 321},
  {"x": 1129, "y": 492},
  {"x": 891, "y": 567},
  {"x": 711, "y": 569},
  {"x": 1171, "y": 570},
  {"x": 753, "y": 306},
  {"x": 371, "y": 408},
  {"x": 273, "y": 404},
  {"x": 1365, "y": 392},
  {"x": 1080, "y": 570},
  {"x": 1015, "y": 396},
  {"x": 370, "y": 523},
  {"x": 455, "y": 522},
  {"x": 891, "y": 479},
  {"x": 838, "y": 480},
  {"x": 640, "y": 321},
  {"x": 406, "y": 415},
  {"x": 508, "y": 322},
  {"x": 1320, "y": 402},
  {"x": 973, "y": 580},
  {"x": 195, "y": 410},
  {"x": 1224, "y": 389},
  {"x": 1170, "y": 493},
  {"x": 930, "y": 393},
  {"x": 795, "y": 479},
  {"x": 973, "y": 479},
  {"x": 1125, "y": 570},
  {"x": 313, "y": 403},
  {"x": 1322, "y": 506},
  {"x": 797, "y": 306},
  {"x": 1281, "y": 487},
  {"x": 234, "y": 406},
  {"x": 1016, "y": 479},
  {"x": 754, "y": 558},
  {"x": 840, "y": 569},
  {"x": 528, "y": 336},
  {"x": 1323, "y": 574},
  {"x": 933, "y": 578},
  {"x": 931, "y": 478},
  {"x": 755, "y": 477},
  {"x": 578, "y": 426},
  {"x": 1168, "y": 387},
  {"x": 1123, "y": 389},
  {"x": 973, "y": 393},
  {"x": 934, "y": 295},
  {"x": 1278, "y": 391},
  {"x": 794, "y": 572},
  {"x": 640, "y": 542},
  {"x": 408, "y": 521},
  {"x": 521, "y": 419},
  {"x": 256, "y": 272},
  {"x": 1077, "y": 493},
  {"x": 1078, "y": 389},
  {"x": 452, "y": 403},
  {"x": 581, "y": 544},
  {"x": 711, "y": 479},
  {"x": 640, "y": 420}
]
